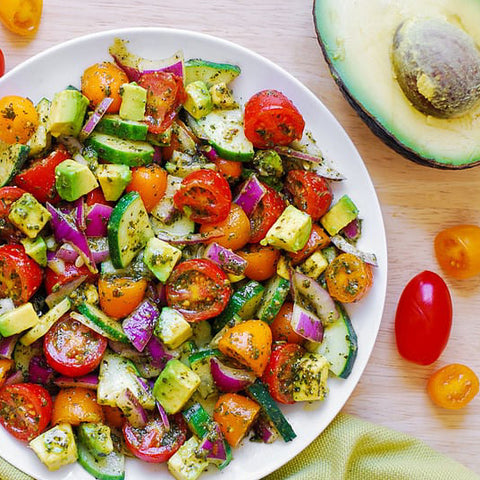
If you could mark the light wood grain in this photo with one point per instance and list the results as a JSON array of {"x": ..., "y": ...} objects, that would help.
[{"x": 416, "y": 201}]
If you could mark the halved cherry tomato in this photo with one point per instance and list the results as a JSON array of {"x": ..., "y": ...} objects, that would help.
[
  {"x": 235, "y": 415},
  {"x": 423, "y": 319},
  {"x": 39, "y": 178},
  {"x": 198, "y": 289},
  {"x": 76, "y": 405},
  {"x": 309, "y": 192},
  {"x": 150, "y": 182},
  {"x": 5, "y": 366},
  {"x": 272, "y": 119},
  {"x": 114, "y": 417},
  {"x": 152, "y": 443},
  {"x": 20, "y": 276},
  {"x": 53, "y": 281},
  {"x": 249, "y": 343},
  {"x": 458, "y": 250},
  {"x": 205, "y": 195},
  {"x": 348, "y": 278},
  {"x": 103, "y": 80},
  {"x": 2, "y": 63},
  {"x": 265, "y": 214},
  {"x": 280, "y": 371},
  {"x": 318, "y": 239},
  {"x": 234, "y": 230},
  {"x": 21, "y": 17},
  {"x": 25, "y": 410},
  {"x": 261, "y": 261},
  {"x": 453, "y": 386},
  {"x": 165, "y": 94},
  {"x": 281, "y": 326},
  {"x": 72, "y": 348},
  {"x": 18, "y": 119},
  {"x": 120, "y": 296},
  {"x": 8, "y": 195},
  {"x": 97, "y": 196}
]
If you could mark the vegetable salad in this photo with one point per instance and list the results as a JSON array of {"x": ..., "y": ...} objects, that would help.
[{"x": 173, "y": 267}]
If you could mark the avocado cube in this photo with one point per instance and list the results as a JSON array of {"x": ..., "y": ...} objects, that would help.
[
  {"x": 283, "y": 268},
  {"x": 222, "y": 96},
  {"x": 186, "y": 464},
  {"x": 96, "y": 437},
  {"x": 199, "y": 101},
  {"x": 175, "y": 385},
  {"x": 29, "y": 215},
  {"x": 36, "y": 249},
  {"x": 18, "y": 320},
  {"x": 339, "y": 215},
  {"x": 134, "y": 100},
  {"x": 161, "y": 257},
  {"x": 291, "y": 230},
  {"x": 314, "y": 265},
  {"x": 113, "y": 179},
  {"x": 73, "y": 180},
  {"x": 67, "y": 113},
  {"x": 172, "y": 329},
  {"x": 56, "y": 447},
  {"x": 310, "y": 379},
  {"x": 268, "y": 163}
]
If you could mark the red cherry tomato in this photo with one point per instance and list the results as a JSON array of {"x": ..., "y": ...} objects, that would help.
[
  {"x": 97, "y": 196},
  {"x": 198, "y": 289},
  {"x": 265, "y": 214},
  {"x": 272, "y": 119},
  {"x": 206, "y": 196},
  {"x": 20, "y": 276},
  {"x": 279, "y": 372},
  {"x": 39, "y": 178},
  {"x": 308, "y": 192},
  {"x": 25, "y": 410},
  {"x": 152, "y": 443},
  {"x": 458, "y": 250},
  {"x": 423, "y": 319},
  {"x": 2, "y": 63},
  {"x": 165, "y": 94},
  {"x": 73, "y": 349},
  {"x": 8, "y": 195},
  {"x": 53, "y": 280}
]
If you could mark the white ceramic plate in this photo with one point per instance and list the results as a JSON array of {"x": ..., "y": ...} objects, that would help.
[{"x": 54, "y": 69}]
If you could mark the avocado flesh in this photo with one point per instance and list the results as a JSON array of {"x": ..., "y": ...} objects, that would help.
[{"x": 356, "y": 37}]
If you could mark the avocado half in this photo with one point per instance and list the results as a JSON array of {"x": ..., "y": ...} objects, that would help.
[{"x": 427, "y": 107}]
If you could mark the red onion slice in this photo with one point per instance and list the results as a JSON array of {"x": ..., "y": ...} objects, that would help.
[
  {"x": 87, "y": 381},
  {"x": 96, "y": 116},
  {"x": 347, "y": 247},
  {"x": 226, "y": 259},
  {"x": 138, "y": 326},
  {"x": 230, "y": 379},
  {"x": 129, "y": 404},
  {"x": 306, "y": 324},
  {"x": 7, "y": 345},
  {"x": 250, "y": 195},
  {"x": 97, "y": 220}
]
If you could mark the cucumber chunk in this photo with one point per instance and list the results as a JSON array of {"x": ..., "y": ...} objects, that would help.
[
  {"x": 95, "y": 319},
  {"x": 210, "y": 73},
  {"x": 128, "y": 229},
  {"x": 12, "y": 159},
  {"x": 110, "y": 467},
  {"x": 119, "y": 127},
  {"x": 117, "y": 150}
]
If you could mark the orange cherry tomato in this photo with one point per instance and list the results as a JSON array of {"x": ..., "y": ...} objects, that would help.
[
  {"x": 21, "y": 16},
  {"x": 281, "y": 326},
  {"x": 453, "y": 386},
  {"x": 348, "y": 278},
  {"x": 235, "y": 229},
  {"x": 104, "y": 80},
  {"x": 114, "y": 417},
  {"x": 249, "y": 343},
  {"x": 18, "y": 119},
  {"x": 150, "y": 182},
  {"x": 458, "y": 250},
  {"x": 76, "y": 405},
  {"x": 119, "y": 297},
  {"x": 228, "y": 168},
  {"x": 235, "y": 415},
  {"x": 5, "y": 366},
  {"x": 261, "y": 261}
]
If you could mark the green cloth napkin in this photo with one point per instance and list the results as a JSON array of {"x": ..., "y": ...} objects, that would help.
[{"x": 353, "y": 449}]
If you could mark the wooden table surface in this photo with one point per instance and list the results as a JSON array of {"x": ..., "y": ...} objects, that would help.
[{"x": 416, "y": 201}]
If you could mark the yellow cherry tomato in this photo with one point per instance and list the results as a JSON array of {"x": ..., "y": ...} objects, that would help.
[{"x": 21, "y": 16}]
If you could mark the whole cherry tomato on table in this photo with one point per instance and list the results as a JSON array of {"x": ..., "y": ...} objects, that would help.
[
  {"x": 272, "y": 119},
  {"x": 2, "y": 63},
  {"x": 423, "y": 319},
  {"x": 458, "y": 250},
  {"x": 21, "y": 16},
  {"x": 453, "y": 386}
]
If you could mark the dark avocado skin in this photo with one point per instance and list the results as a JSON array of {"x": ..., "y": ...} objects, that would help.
[{"x": 371, "y": 121}]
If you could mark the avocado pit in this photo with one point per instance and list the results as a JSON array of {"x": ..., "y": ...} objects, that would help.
[{"x": 437, "y": 66}]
